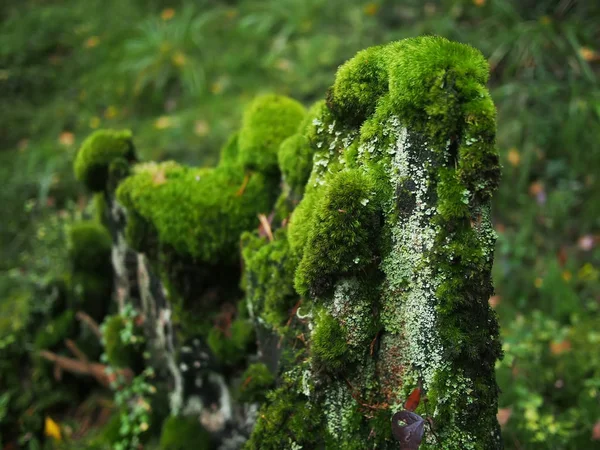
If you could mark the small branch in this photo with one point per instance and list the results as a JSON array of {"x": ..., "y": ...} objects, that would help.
[
  {"x": 91, "y": 323},
  {"x": 75, "y": 350},
  {"x": 265, "y": 226},
  {"x": 96, "y": 370}
]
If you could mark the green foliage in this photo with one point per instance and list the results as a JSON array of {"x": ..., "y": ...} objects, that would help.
[
  {"x": 97, "y": 153},
  {"x": 256, "y": 381},
  {"x": 182, "y": 433},
  {"x": 231, "y": 345},
  {"x": 56, "y": 331},
  {"x": 266, "y": 123},
  {"x": 122, "y": 340}
]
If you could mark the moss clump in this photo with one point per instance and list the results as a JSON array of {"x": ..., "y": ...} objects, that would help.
[
  {"x": 89, "y": 245},
  {"x": 266, "y": 123},
  {"x": 120, "y": 352},
  {"x": 269, "y": 277},
  {"x": 231, "y": 345},
  {"x": 342, "y": 234},
  {"x": 328, "y": 345},
  {"x": 358, "y": 85},
  {"x": 295, "y": 161},
  {"x": 255, "y": 382},
  {"x": 197, "y": 212},
  {"x": 96, "y": 154},
  {"x": 184, "y": 433},
  {"x": 288, "y": 420}
]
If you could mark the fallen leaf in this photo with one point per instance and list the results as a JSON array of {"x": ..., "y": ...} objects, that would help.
[
  {"x": 371, "y": 9},
  {"x": 504, "y": 416},
  {"x": 588, "y": 54},
  {"x": 514, "y": 157},
  {"x": 52, "y": 429},
  {"x": 586, "y": 243},
  {"x": 66, "y": 138},
  {"x": 92, "y": 42},
  {"x": 167, "y": 14},
  {"x": 596, "y": 431},
  {"x": 494, "y": 301},
  {"x": 560, "y": 347}
]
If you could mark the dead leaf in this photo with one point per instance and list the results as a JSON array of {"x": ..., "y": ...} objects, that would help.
[
  {"x": 504, "y": 416},
  {"x": 596, "y": 431},
  {"x": 560, "y": 347}
]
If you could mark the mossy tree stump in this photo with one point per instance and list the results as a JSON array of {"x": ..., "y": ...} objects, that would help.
[
  {"x": 366, "y": 245},
  {"x": 394, "y": 247}
]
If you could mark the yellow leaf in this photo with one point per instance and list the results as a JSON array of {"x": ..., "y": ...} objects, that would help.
[
  {"x": 52, "y": 429},
  {"x": 371, "y": 9},
  {"x": 179, "y": 59},
  {"x": 201, "y": 128},
  {"x": 66, "y": 138},
  {"x": 111, "y": 112},
  {"x": 167, "y": 14},
  {"x": 588, "y": 54},
  {"x": 514, "y": 157},
  {"x": 479, "y": 2},
  {"x": 162, "y": 122},
  {"x": 94, "y": 122},
  {"x": 560, "y": 347},
  {"x": 567, "y": 275},
  {"x": 92, "y": 42}
]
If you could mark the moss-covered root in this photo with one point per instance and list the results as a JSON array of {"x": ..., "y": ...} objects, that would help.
[
  {"x": 98, "y": 152},
  {"x": 394, "y": 240}
]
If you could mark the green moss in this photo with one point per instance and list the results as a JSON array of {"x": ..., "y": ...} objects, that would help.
[
  {"x": 54, "y": 333},
  {"x": 288, "y": 420},
  {"x": 89, "y": 245},
  {"x": 199, "y": 213},
  {"x": 266, "y": 123},
  {"x": 184, "y": 433},
  {"x": 295, "y": 161},
  {"x": 229, "y": 151},
  {"x": 358, "y": 84},
  {"x": 342, "y": 234},
  {"x": 269, "y": 277},
  {"x": 100, "y": 208},
  {"x": 97, "y": 152},
  {"x": 328, "y": 345},
  {"x": 453, "y": 197},
  {"x": 231, "y": 345},
  {"x": 118, "y": 352},
  {"x": 255, "y": 382}
]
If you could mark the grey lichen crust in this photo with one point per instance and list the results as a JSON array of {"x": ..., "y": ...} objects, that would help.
[{"x": 395, "y": 246}]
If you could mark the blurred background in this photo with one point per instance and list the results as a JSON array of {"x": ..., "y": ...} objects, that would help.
[{"x": 178, "y": 73}]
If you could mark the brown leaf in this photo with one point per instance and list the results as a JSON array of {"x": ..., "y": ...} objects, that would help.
[
  {"x": 560, "y": 347},
  {"x": 504, "y": 416},
  {"x": 596, "y": 431}
]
